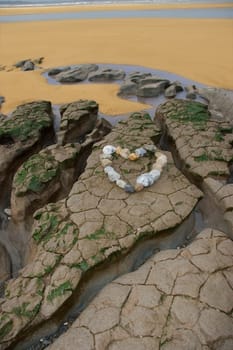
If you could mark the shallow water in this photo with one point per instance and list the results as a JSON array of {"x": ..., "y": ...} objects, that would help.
[{"x": 225, "y": 13}]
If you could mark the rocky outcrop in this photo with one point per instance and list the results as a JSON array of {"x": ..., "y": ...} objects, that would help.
[
  {"x": 203, "y": 144},
  {"x": 106, "y": 75},
  {"x": 77, "y": 119},
  {"x": 180, "y": 299},
  {"x": 28, "y": 129},
  {"x": 96, "y": 221},
  {"x": 53, "y": 170}
]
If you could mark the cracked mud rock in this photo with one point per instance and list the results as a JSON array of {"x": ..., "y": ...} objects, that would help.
[
  {"x": 96, "y": 221},
  {"x": 178, "y": 300}
]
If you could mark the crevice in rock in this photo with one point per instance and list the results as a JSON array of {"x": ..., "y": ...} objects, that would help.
[{"x": 96, "y": 278}]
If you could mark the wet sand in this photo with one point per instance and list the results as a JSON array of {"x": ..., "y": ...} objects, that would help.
[
  {"x": 201, "y": 50},
  {"x": 77, "y": 8}
]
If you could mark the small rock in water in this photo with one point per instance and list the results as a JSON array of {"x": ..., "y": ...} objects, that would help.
[{"x": 129, "y": 189}]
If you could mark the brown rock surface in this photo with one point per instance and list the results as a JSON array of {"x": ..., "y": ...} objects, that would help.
[{"x": 143, "y": 314}]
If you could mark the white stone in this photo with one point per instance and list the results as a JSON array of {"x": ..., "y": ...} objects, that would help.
[
  {"x": 145, "y": 179},
  {"x": 109, "y": 149}
]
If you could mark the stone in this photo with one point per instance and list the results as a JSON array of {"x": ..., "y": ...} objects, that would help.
[
  {"x": 191, "y": 92},
  {"x": 28, "y": 65},
  {"x": 107, "y": 74},
  {"x": 151, "y": 90},
  {"x": 128, "y": 88},
  {"x": 75, "y": 74},
  {"x": 170, "y": 91},
  {"x": 153, "y": 80}
]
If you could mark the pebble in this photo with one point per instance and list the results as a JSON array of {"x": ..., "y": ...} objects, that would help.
[
  {"x": 129, "y": 189},
  {"x": 112, "y": 174},
  {"x": 150, "y": 148},
  {"x": 7, "y": 211},
  {"x": 133, "y": 156},
  {"x": 121, "y": 183},
  {"x": 139, "y": 187},
  {"x": 145, "y": 179},
  {"x": 155, "y": 174},
  {"x": 109, "y": 149},
  {"x": 141, "y": 152},
  {"x": 124, "y": 153}
]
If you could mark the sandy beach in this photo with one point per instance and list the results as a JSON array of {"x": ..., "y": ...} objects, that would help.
[{"x": 200, "y": 49}]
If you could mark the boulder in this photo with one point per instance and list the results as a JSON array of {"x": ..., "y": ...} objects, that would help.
[
  {"x": 28, "y": 65},
  {"x": 77, "y": 119},
  {"x": 55, "y": 71},
  {"x": 2, "y": 100},
  {"x": 75, "y": 74},
  {"x": 107, "y": 74},
  {"x": 191, "y": 92},
  {"x": 128, "y": 88},
  {"x": 170, "y": 92},
  {"x": 135, "y": 77},
  {"x": 153, "y": 80},
  {"x": 152, "y": 90},
  {"x": 178, "y": 85}
]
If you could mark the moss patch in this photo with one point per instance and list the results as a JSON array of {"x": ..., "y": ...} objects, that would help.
[{"x": 60, "y": 290}]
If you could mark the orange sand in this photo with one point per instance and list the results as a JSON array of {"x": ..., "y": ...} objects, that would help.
[{"x": 201, "y": 50}]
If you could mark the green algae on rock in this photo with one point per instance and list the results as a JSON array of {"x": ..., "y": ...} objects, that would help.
[
  {"x": 203, "y": 146},
  {"x": 41, "y": 176},
  {"x": 28, "y": 129},
  {"x": 27, "y": 121}
]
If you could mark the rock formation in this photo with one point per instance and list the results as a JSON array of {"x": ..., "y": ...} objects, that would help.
[
  {"x": 28, "y": 129},
  {"x": 96, "y": 221}
]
